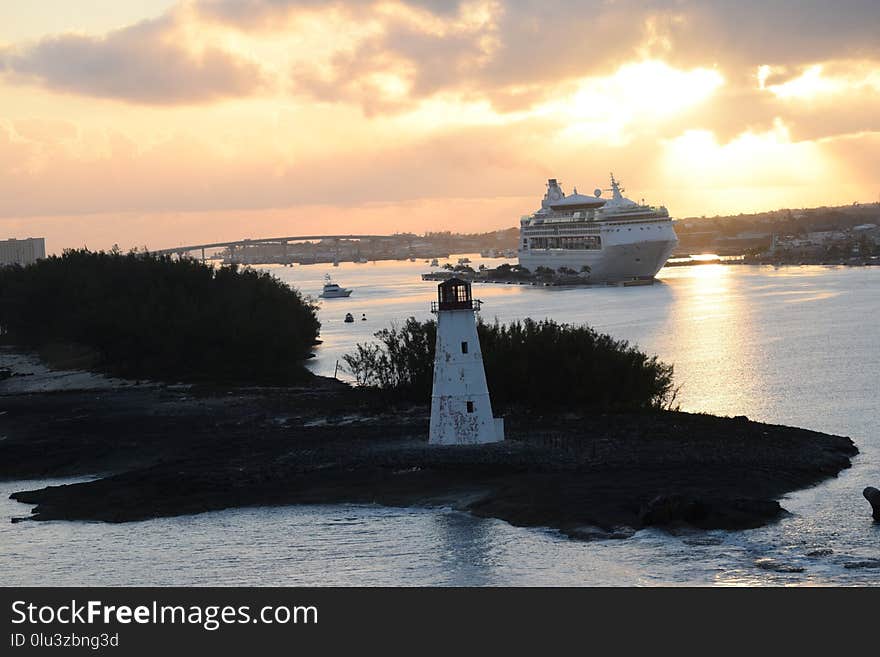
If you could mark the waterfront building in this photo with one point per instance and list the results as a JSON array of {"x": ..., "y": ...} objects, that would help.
[
  {"x": 461, "y": 411},
  {"x": 22, "y": 252}
]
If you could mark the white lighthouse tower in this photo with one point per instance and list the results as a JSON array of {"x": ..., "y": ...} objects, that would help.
[{"x": 461, "y": 413}]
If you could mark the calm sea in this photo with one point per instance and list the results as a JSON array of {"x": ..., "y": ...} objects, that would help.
[{"x": 793, "y": 345}]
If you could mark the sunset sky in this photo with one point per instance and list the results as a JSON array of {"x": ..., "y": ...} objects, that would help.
[{"x": 161, "y": 122}]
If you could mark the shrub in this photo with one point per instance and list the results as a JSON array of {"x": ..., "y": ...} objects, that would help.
[
  {"x": 529, "y": 364},
  {"x": 160, "y": 317}
]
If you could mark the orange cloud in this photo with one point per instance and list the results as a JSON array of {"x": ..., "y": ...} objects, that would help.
[{"x": 143, "y": 63}]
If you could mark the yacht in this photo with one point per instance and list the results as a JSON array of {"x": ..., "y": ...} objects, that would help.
[
  {"x": 602, "y": 239},
  {"x": 332, "y": 290}
]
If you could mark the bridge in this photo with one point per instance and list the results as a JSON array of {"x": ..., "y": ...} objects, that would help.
[{"x": 180, "y": 250}]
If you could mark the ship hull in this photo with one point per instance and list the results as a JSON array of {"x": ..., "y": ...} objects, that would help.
[{"x": 613, "y": 263}]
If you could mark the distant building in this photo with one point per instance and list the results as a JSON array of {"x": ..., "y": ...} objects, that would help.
[{"x": 22, "y": 252}]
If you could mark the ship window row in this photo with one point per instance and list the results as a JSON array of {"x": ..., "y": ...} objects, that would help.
[
  {"x": 617, "y": 230},
  {"x": 569, "y": 243},
  {"x": 577, "y": 230}
]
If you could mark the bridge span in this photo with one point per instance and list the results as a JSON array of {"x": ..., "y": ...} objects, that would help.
[{"x": 180, "y": 250}]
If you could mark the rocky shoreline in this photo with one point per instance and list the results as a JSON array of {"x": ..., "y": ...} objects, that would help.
[{"x": 167, "y": 451}]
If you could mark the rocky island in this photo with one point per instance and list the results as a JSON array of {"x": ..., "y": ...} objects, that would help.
[{"x": 162, "y": 451}]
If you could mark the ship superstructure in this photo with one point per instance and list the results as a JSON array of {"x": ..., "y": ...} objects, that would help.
[{"x": 602, "y": 239}]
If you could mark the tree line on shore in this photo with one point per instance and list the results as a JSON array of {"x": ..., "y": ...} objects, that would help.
[
  {"x": 142, "y": 316},
  {"x": 529, "y": 364},
  {"x": 145, "y": 316}
]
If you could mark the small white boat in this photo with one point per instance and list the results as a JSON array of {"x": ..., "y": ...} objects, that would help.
[{"x": 332, "y": 290}]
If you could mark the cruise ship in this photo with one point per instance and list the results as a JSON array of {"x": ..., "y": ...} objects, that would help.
[{"x": 602, "y": 239}]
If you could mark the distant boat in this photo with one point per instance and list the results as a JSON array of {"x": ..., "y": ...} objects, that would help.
[{"x": 332, "y": 290}]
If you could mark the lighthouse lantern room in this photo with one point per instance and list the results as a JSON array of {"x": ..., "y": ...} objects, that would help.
[{"x": 461, "y": 412}]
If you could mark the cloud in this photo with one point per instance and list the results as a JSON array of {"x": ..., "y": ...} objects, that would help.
[
  {"x": 387, "y": 56},
  {"x": 181, "y": 173},
  {"x": 402, "y": 65},
  {"x": 500, "y": 48},
  {"x": 845, "y": 99},
  {"x": 858, "y": 155},
  {"x": 144, "y": 63},
  {"x": 783, "y": 32}
]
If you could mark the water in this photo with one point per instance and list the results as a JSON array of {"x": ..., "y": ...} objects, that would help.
[{"x": 791, "y": 345}]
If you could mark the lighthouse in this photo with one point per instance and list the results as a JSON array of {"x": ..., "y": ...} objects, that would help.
[{"x": 461, "y": 413}]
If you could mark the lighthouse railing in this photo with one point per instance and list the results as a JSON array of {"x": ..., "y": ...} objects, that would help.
[{"x": 469, "y": 304}]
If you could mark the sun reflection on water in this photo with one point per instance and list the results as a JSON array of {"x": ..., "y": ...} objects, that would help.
[{"x": 709, "y": 324}]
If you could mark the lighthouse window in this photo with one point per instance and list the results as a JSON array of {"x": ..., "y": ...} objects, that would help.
[
  {"x": 464, "y": 347},
  {"x": 470, "y": 407}
]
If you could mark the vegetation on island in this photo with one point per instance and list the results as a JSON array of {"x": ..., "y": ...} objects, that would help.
[
  {"x": 529, "y": 364},
  {"x": 143, "y": 316},
  {"x": 518, "y": 274}
]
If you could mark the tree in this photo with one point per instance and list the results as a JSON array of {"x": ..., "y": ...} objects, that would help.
[
  {"x": 529, "y": 364},
  {"x": 159, "y": 317}
]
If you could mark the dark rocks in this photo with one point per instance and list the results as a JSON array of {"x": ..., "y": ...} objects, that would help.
[
  {"x": 768, "y": 563},
  {"x": 703, "y": 541},
  {"x": 672, "y": 509},
  {"x": 592, "y": 533},
  {"x": 714, "y": 512},
  {"x": 820, "y": 552},
  {"x": 171, "y": 452},
  {"x": 873, "y": 496}
]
